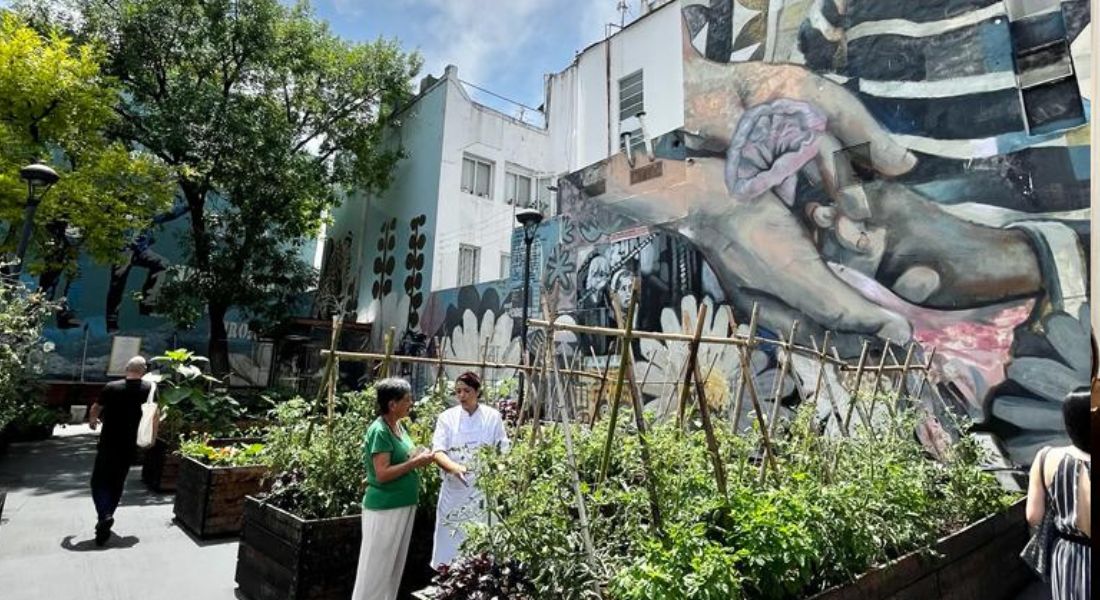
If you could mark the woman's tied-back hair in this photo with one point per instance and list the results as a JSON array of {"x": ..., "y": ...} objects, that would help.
[
  {"x": 471, "y": 379},
  {"x": 391, "y": 389},
  {"x": 1075, "y": 411}
]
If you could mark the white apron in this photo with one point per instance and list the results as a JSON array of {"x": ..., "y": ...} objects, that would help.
[{"x": 460, "y": 435}]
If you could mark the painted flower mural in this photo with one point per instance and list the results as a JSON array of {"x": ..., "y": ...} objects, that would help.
[
  {"x": 490, "y": 337},
  {"x": 661, "y": 363}
]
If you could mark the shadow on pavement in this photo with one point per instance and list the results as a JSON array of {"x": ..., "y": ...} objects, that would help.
[
  {"x": 217, "y": 541},
  {"x": 89, "y": 545},
  {"x": 63, "y": 465}
]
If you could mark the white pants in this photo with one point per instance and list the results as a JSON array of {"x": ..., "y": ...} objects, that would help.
[{"x": 386, "y": 536}]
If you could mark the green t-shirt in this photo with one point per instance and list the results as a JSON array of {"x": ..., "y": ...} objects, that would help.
[{"x": 403, "y": 491}]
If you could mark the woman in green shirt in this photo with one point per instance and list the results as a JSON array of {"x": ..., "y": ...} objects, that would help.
[{"x": 393, "y": 488}]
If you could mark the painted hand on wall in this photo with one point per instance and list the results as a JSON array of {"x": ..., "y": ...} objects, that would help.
[{"x": 752, "y": 129}]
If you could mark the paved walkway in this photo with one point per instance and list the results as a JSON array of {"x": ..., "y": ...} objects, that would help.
[{"x": 46, "y": 547}]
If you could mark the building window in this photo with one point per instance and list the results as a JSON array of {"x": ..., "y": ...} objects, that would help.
[
  {"x": 517, "y": 189},
  {"x": 505, "y": 265},
  {"x": 469, "y": 259},
  {"x": 631, "y": 96},
  {"x": 477, "y": 176}
]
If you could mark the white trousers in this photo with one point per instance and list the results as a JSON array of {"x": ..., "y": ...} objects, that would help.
[{"x": 386, "y": 536}]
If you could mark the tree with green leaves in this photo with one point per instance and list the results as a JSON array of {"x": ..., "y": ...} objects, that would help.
[
  {"x": 57, "y": 106},
  {"x": 261, "y": 112}
]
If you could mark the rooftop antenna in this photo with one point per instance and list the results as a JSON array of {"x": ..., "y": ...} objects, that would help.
[{"x": 622, "y": 8}]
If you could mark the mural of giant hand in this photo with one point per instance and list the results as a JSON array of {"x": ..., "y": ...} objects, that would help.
[{"x": 752, "y": 132}]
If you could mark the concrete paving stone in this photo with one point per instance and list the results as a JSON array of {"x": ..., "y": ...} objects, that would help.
[{"x": 46, "y": 546}]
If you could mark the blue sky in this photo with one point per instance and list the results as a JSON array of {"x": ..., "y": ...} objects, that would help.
[{"x": 503, "y": 45}]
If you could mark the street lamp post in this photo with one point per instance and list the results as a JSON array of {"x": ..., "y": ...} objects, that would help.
[
  {"x": 40, "y": 178},
  {"x": 529, "y": 219}
]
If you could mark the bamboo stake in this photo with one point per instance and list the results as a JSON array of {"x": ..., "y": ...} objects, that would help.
[
  {"x": 389, "y": 351},
  {"x": 820, "y": 381},
  {"x": 746, "y": 354},
  {"x": 769, "y": 453},
  {"x": 439, "y": 381},
  {"x": 708, "y": 427},
  {"x": 878, "y": 379},
  {"x": 784, "y": 366},
  {"x": 334, "y": 374},
  {"x": 326, "y": 379},
  {"x": 689, "y": 369},
  {"x": 859, "y": 381},
  {"x": 603, "y": 386},
  {"x": 605, "y": 462},
  {"x": 571, "y": 457},
  {"x": 927, "y": 370},
  {"x": 639, "y": 424},
  {"x": 903, "y": 380}
]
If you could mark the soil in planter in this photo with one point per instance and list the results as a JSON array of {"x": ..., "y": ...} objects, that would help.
[{"x": 210, "y": 500}]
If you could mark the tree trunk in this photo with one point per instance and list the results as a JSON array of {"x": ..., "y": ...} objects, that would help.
[{"x": 218, "y": 349}]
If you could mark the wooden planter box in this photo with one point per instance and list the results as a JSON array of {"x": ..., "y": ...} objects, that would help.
[
  {"x": 210, "y": 500},
  {"x": 284, "y": 557},
  {"x": 980, "y": 561},
  {"x": 160, "y": 466}
]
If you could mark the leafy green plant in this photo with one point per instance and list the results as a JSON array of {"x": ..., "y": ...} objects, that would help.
[
  {"x": 833, "y": 508},
  {"x": 233, "y": 455},
  {"x": 23, "y": 314},
  {"x": 317, "y": 467},
  {"x": 187, "y": 398}
]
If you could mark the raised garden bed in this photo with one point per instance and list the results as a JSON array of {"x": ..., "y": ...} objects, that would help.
[
  {"x": 980, "y": 561},
  {"x": 210, "y": 500},
  {"x": 160, "y": 465},
  {"x": 283, "y": 557}
]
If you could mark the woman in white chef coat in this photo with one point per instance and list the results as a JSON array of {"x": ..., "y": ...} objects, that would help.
[{"x": 459, "y": 432}]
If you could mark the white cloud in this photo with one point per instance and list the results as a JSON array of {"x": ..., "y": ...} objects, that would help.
[{"x": 476, "y": 36}]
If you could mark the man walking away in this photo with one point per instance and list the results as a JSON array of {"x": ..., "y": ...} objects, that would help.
[{"x": 119, "y": 407}]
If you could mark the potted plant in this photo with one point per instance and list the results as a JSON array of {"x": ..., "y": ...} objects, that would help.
[
  {"x": 301, "y": 540},
  {"x": 213, "y": 483},
  {"x": 188, "y": 403}
]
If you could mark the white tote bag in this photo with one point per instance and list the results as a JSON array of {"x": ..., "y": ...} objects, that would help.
[{"x": 147, "y": 428}]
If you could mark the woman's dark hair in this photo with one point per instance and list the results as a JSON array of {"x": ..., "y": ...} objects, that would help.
[
  {"x": 391, "y": 389},
  {"x": 471, "y": 379},
  {"x": 1075, "y": 411}
]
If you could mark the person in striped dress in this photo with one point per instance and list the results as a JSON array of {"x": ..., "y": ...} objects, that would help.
[{"x": 1061, "y": 481}]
